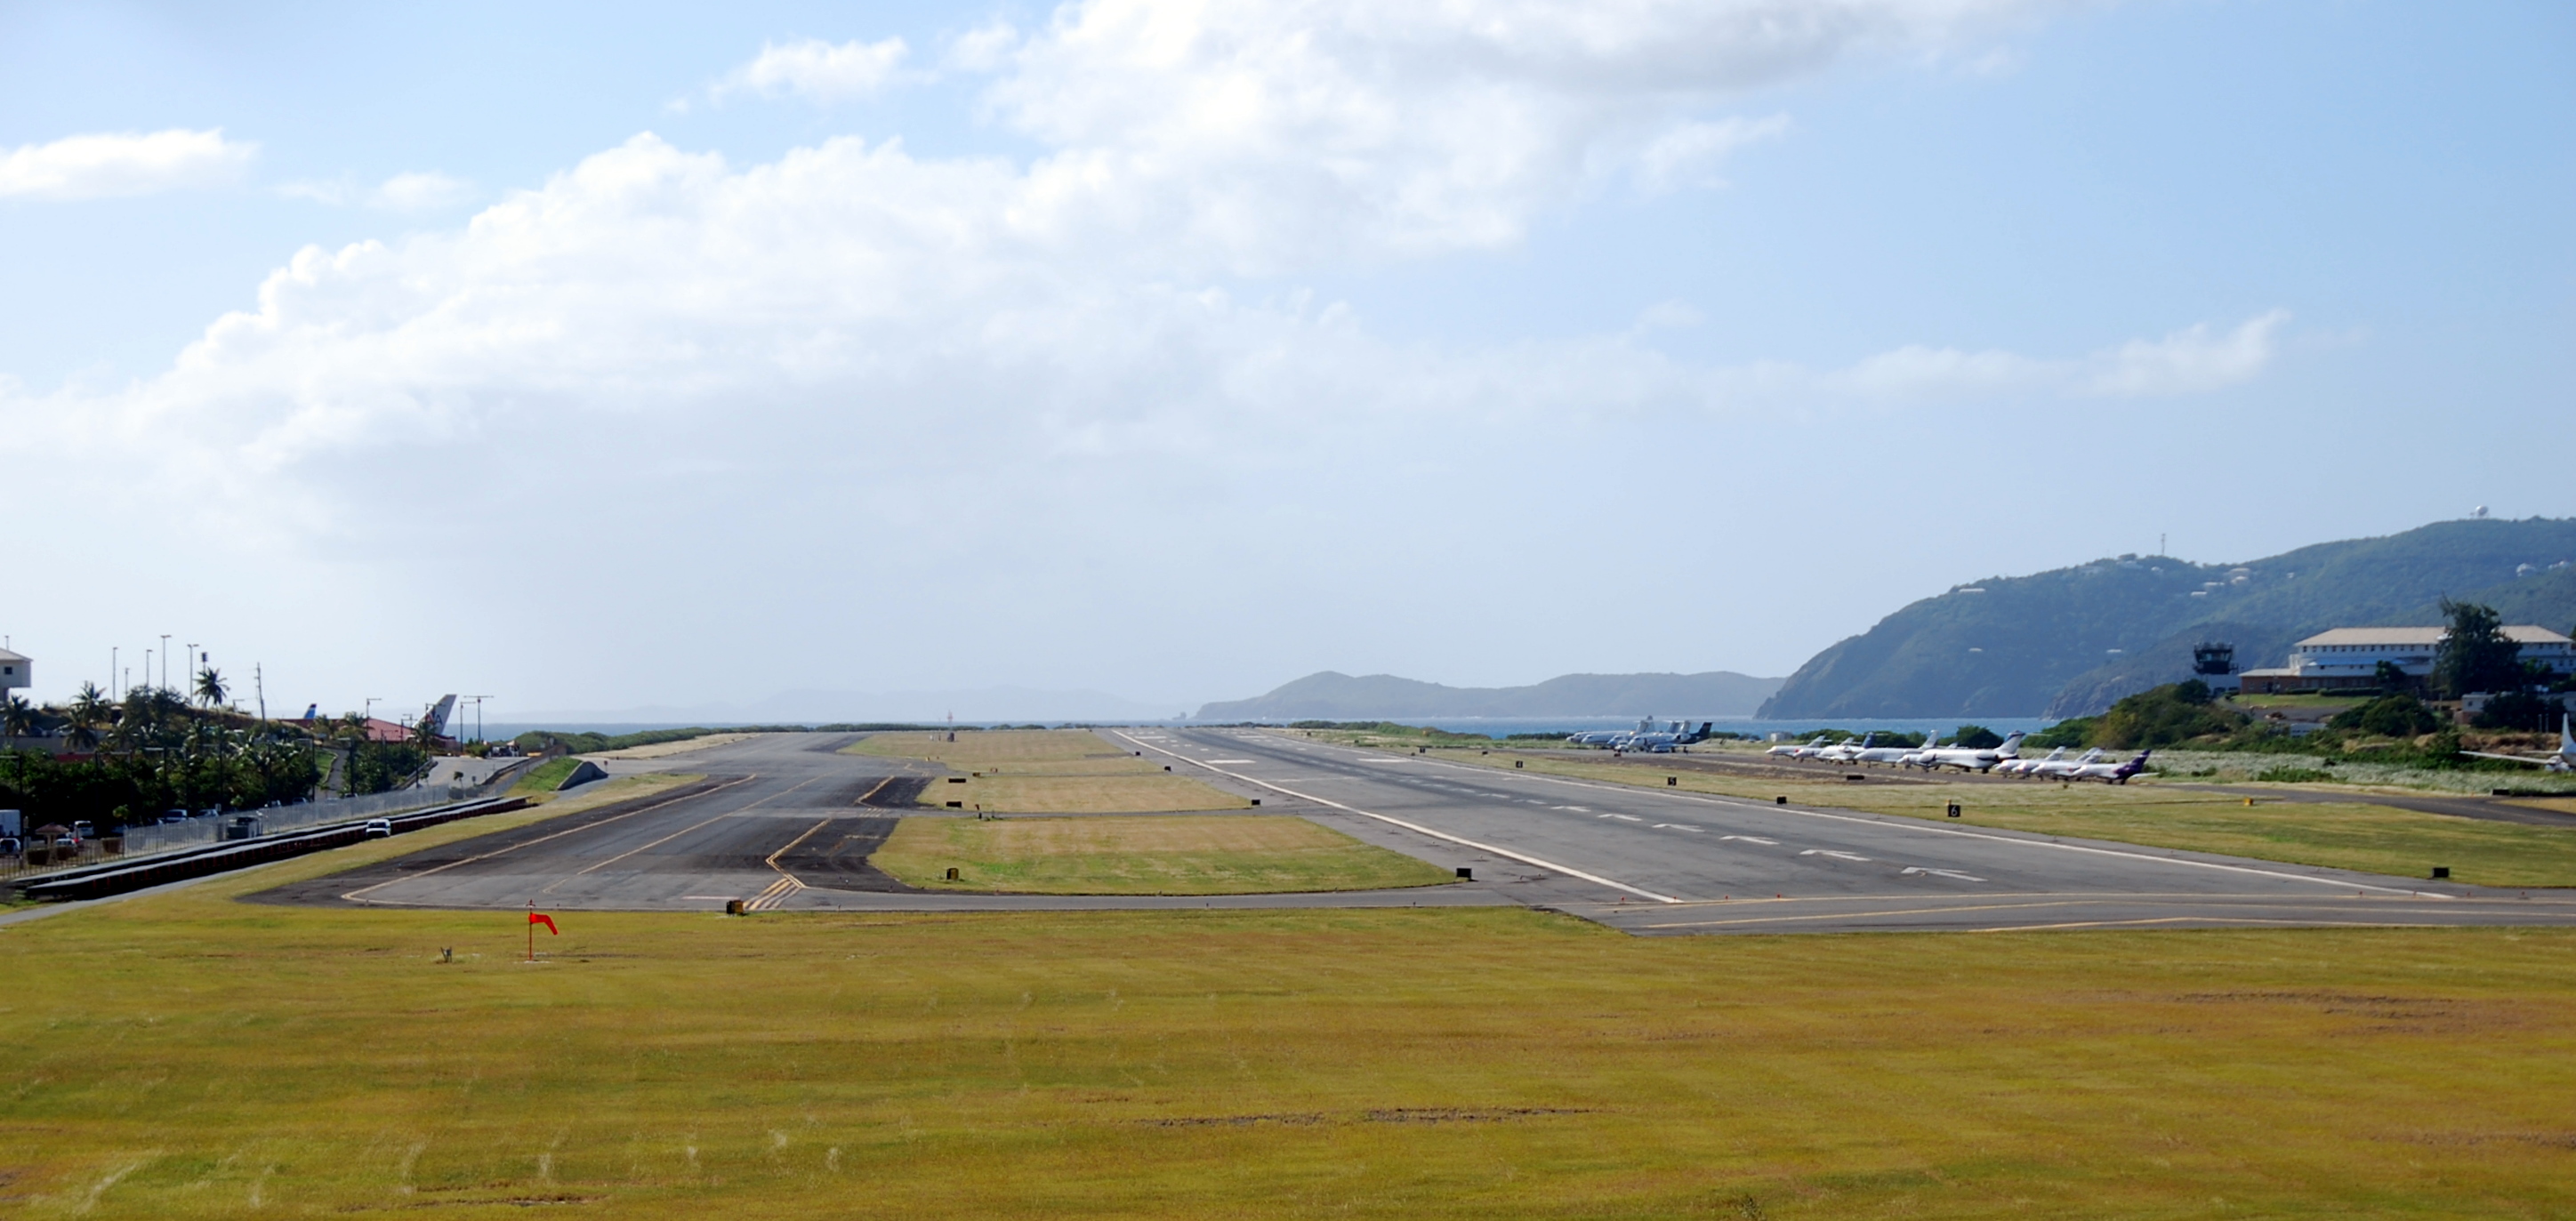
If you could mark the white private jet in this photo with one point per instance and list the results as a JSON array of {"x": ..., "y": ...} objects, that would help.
[
  {"x": 1970, "y": 758},
  {"x": 2023, "y": 767},
  {"x": 1886, "y": 754},
  {"x": 1791, "y": 750},
  {"x": 2060, "y": 769},
  {"x": 2111, "y": 773},
  {"x": 1847, "y": 749},
  {"x": 2563, "y": 761}
]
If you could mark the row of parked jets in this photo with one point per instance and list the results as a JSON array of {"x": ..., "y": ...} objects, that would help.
[{"x": 2003, "y": 760}]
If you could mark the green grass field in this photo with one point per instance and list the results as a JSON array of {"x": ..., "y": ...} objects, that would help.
[
  {"x": 187, "y": 1056},
  {"x": 1046, "y": 771},
  {"x": 1165, "y": 854},
  {"x": 2378, "y": 839},
  {"x": 542, "y": 779}
]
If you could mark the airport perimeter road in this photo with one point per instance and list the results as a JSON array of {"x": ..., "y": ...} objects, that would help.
[
  {"x": 782, "y": 822},
  {"x": 1654, "y": 861}
]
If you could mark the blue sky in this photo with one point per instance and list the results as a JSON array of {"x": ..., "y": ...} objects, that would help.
[{"x": 1177, "y": 357}]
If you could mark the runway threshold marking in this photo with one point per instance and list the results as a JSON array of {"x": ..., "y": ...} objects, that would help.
[
  {"x": 1507, "y": 853},
  {"x": 1895, "y": 822},
  {"x": 352, "y": 896}
]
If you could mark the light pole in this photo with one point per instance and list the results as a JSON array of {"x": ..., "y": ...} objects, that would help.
[
  {"x": 191, "y": 668},
  {"x": 165, "y": 661},
  {"x": 114, "y": 690}
]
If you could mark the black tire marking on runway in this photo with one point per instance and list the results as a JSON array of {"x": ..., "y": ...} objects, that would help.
[
  {"x": 894, "y": 793},
  {"x": 833, "y": 855}
]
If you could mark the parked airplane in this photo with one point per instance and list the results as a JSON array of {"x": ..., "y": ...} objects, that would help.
[
  {"x": 1847, "y": 749},
  {"x": 2021, "y": 767},
  {"x": 1661, "y": 742},
  {"x": 1886, "y": 754},
  {"x": 1791, "y": 750},
  {"x": 2111, "y": 773},
  {"x": 1970, "y": 758},
  {"x": 2563, "y": 761},
  {"x": 2060, "y": 769},
  {"x": 1604, "y": 737}
]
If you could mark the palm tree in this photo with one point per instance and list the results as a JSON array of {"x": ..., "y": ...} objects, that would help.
[
  {"x": 18, "y": 718},
  {"x": 89, "y": 711},
  {"x": 210, "y": 687}
]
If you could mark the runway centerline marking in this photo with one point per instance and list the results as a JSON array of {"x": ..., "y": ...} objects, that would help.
[{"x": 1594, "y": 878}]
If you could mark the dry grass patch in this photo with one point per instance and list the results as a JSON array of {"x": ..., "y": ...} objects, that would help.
[
  {"x": 184, "y": 1056},
  {"x": 1225, "y": 855},
  {"x": 1047, "y": 771},
  {"x": 2375, "y": 839}
]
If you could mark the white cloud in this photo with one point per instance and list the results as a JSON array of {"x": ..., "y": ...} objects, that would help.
[
  {"x": 828, "y": 366},
  {"x": 2188, "y": 361},
  {"x": 1687, "y": 153},
  {"x": 406, "y": 192},
  {"x": 422, "y": 192},
  {"x": 817, "y": 71},
  {"x": 986, "y": 48},
  {"x": 129, "y": 163}
]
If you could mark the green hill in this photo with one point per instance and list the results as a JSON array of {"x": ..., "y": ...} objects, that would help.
[{"x": 2069, "y": 642}]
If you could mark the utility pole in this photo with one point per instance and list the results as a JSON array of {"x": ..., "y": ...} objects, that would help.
[{"x": 259, "y": 685}]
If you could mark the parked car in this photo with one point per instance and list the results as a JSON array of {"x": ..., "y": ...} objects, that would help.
[
  {"x": 378, "y": 828},
  {"x": 174, "y": 816},
  {"x": 83, "y": 831},
  {"x": 9, "y": 846}
]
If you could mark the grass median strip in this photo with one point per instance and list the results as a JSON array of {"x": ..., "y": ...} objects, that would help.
[
  {"x": 186, "y": 1056},
  {"x": 1046, "y": 771},
  {"x": 1159, "y": 855}
]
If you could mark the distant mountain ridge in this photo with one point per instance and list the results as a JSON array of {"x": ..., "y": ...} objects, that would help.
[
  {"x": 2070, "y": 641},
  {"x": 1332, "y": 696}
]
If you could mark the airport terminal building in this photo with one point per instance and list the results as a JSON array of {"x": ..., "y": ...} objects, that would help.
[{"x": 2348, "y": 657}]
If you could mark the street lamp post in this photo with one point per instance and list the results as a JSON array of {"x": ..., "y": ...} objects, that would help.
[
  {"x": 190, "y": 669},
  {"x": 165, "y": 661}
]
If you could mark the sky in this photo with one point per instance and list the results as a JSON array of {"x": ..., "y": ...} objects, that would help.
[{"x": 620, "y": 356}]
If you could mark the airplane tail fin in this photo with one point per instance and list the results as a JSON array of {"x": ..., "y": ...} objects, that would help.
[
  {"x": 2566, "y": 737},
  {"x": 2011, "y": 749}
]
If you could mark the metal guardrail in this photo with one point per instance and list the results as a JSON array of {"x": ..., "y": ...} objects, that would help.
[
  {"x": 162, "y": 837},
  {"x": 119, "y": 876}
]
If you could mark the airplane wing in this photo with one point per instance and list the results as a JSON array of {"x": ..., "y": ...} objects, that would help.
[{"x": 2534, "y": 760}]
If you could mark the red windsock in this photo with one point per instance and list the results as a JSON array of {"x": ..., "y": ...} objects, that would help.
[{"x": 546, "y": 920}]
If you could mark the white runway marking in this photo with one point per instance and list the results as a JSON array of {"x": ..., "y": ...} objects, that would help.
[
  {"x": 1675, "y": 826},
  {"x": 1840, "y": 856},
  {"x": 1907, "y": 824},
  {"x": 1754, "y": 839},
  {"x": 1621, "y": 817},
  {"x": 1942, "y": 873},
  {"x": 1229, "y": 760},
  {"x": 1523, "y": 858}
]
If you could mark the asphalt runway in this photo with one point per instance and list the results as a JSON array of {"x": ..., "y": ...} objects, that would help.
[
  {"x": 783, "y": 822},
  {"x": 1655, "y": 861}
]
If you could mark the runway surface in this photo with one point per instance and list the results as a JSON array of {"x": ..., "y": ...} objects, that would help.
[
  {"x": 783, "y": 822},
  {"x": 1665, "y": 861}
]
